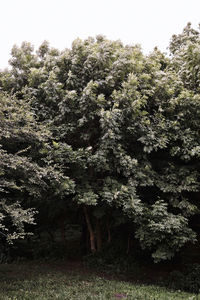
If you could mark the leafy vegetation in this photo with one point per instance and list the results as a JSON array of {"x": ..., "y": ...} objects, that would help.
[
  {"x": 24, "y": 176},
  {"x": 187, "y": 279},
  {"x": 103, "y": 137}
]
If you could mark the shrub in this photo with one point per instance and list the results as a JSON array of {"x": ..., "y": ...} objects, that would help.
[{"x": 188, "y": 279}]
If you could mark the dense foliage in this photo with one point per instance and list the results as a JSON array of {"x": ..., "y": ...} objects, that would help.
[
  {"x": 106, "y": 133},
  {"x": 24, "y": 176}
]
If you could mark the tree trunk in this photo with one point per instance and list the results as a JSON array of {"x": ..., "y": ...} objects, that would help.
[
  {"x": 62, "y": 229},
  {"x": 84, "y": 240},
  {"x": 108, "y": 229},
  {"x": 91, "y": 232},
  {"x": 128, "y": 244},
  {"x": 98, "y": 234},
  {"x": 51, "y": 236}
]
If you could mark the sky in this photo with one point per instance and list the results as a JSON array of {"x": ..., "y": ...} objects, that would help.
[{"x": 149, "y": 23}]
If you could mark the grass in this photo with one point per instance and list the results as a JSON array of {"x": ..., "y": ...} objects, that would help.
[{"x": 65, "y": 282}]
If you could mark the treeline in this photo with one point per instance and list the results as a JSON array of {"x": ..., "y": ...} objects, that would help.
[{"x": 103, "y": 137}]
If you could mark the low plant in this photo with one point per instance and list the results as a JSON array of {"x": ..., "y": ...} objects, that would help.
[
  {"x": 188, "y": 279},
  {"x": 44, "y": 282}
]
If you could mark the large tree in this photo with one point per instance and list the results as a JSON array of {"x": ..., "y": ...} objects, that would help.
[{"x": 125, "y": 127}]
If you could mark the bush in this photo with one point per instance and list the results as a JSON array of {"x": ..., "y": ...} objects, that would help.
[
  {"x": 188, "y": 279},
  {"x": 113, "y": 259}
]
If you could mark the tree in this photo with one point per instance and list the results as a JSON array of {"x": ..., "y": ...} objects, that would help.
[
  {"x": 24, "y": 176},
  {"x": 186, "y": 58},
  {"x": 125, "y": 127}
]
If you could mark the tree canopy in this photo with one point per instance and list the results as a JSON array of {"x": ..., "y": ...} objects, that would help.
[{"x": 109, "y": 130}]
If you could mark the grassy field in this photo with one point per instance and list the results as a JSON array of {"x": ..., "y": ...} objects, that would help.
[{"x": 65, "y": 281}]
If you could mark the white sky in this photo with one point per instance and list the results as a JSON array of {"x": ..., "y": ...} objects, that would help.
[{"x": 147, "y": 22}]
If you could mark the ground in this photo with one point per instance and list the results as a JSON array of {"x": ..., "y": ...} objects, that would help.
[{"x": 74, "y": 281}]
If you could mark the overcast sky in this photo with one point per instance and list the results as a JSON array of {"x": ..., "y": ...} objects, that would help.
[{"x": 147, "y": 22}]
